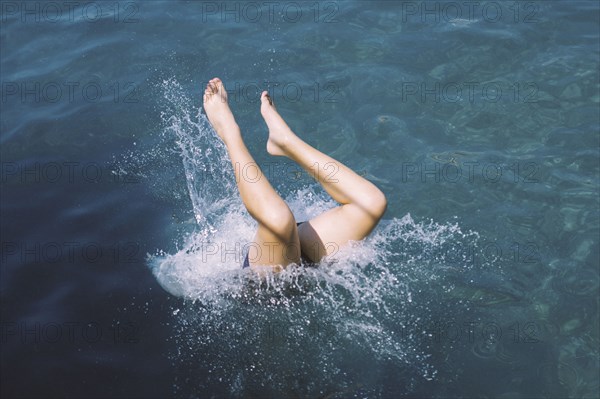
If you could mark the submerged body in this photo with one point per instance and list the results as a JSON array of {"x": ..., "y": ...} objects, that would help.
[{"x": 279, "y": 241}]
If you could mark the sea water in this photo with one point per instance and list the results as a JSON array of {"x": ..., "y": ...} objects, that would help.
[{"x": 123, "y": 233}]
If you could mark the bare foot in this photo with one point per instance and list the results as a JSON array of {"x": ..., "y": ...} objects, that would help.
[
  {"x": 280, "y": 134},
  {"x": 218, "y": 111}
]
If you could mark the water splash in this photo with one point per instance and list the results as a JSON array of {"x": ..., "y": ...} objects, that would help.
[
  {"x": 365, "y": 306},
  {"x": 207, "y": 170}
]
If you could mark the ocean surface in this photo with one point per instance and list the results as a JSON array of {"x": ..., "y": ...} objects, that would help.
[{"x": 122, "y": 232}]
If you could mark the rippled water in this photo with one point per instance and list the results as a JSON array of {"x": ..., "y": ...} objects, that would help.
[{"x": 123, "y": 234}]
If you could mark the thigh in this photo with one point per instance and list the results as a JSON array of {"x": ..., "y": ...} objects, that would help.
[
  {"x": 326, "y": 233},
  {"x": 269, "y": 249}
]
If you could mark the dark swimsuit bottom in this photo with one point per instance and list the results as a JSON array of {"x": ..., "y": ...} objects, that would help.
[{"x": 303, "y": 259}]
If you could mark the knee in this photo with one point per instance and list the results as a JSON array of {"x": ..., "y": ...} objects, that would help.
[
  {"x": 279, "y": 219},
  {"x": 376, "y": 203}
]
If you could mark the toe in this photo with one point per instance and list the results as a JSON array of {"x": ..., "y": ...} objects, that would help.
[
  {"x": 215, "y": 82},
  {"x": 212, "y": 84},
  {"x": 265, "y": 97}
]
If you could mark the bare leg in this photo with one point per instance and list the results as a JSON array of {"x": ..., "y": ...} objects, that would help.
[
  {"x": 362, "y": 203},
  {"x": 276, "y": 241}
]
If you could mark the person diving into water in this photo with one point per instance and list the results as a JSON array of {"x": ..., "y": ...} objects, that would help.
[{"x": 279, "y": 241}]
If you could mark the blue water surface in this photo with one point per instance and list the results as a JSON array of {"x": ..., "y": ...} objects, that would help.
[{"x": 122, "y": 232}]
